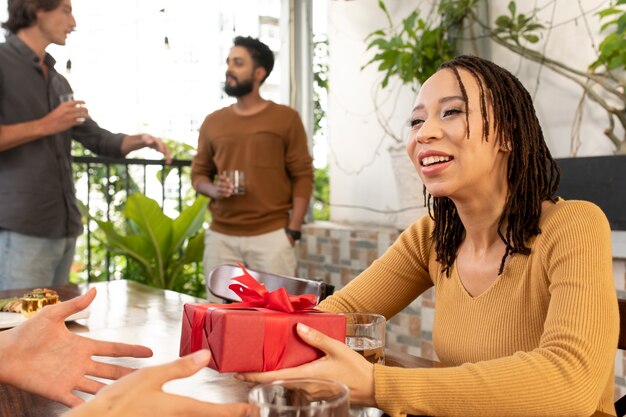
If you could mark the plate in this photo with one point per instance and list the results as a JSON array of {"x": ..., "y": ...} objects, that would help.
[{"x": 8, "y": 320}]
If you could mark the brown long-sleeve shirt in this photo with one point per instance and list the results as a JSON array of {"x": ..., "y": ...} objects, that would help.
[{"x": 271, "y": 148}]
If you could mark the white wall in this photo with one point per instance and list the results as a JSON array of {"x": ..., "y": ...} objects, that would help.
[
  {"x": 556, "y": 98},
  {"x": 361, "y": 170},
  {"x": 360, "y": 166}
]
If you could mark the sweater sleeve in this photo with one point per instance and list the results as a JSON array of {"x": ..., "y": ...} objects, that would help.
[
  {"x": 394, "y": 280},
  {"x": 298, "y": 160},
  {"x": 202, "y": 164},
  {"x": 567, "y": 373}
]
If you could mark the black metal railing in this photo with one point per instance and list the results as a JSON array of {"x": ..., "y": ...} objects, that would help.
[{"x": 117, "y": 179}]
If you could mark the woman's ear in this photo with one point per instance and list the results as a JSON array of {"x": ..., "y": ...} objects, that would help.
[{"x": 505, "y": 146}]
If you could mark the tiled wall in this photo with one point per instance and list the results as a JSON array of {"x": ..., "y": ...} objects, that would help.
[{"x": 338, "y": 253}]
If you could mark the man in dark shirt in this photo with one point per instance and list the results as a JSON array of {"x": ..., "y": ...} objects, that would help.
[{"x": 39, "y": 217}]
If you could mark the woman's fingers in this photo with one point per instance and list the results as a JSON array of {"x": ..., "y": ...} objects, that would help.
[
  {"x": 181, "y": 368},
  {"x": 317, "y": 339}
]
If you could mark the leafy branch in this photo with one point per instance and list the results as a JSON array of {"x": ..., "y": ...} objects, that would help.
[{"x": 414, "y": 50}]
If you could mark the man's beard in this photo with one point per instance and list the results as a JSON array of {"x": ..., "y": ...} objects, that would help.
[{"x": 240, "y": 89}]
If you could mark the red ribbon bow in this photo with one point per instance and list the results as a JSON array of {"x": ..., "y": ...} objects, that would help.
[{"x": 254, "y": 294}]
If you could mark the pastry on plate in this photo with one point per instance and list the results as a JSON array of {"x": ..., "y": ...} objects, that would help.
[{"x": 35, "y": 300}]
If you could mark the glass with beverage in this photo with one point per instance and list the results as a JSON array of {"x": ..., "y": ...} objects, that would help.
[
  {"x": 238, "y": 178},
  {"x": 70, "y": 97},
  {"x": 365, "y": 333},
  {"x": 305, "y": 397}
]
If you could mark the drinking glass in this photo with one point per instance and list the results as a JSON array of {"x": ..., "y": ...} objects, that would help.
[
  {"x": 238, "y": 178},
  {"x": 305, "y": 397},
  {"x": 365, "y": 333},
  {"x": 70, "y": 97}
]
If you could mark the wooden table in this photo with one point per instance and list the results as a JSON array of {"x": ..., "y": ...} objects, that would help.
[{"x": 125, "y": 311}]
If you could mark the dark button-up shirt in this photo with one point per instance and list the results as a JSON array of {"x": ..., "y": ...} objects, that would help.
[{"x": 37, "y": 195}]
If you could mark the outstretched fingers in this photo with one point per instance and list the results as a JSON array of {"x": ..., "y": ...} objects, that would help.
[
  {"x": 181, "y": 368},
  {"x": 89, "y": 386},
  {"x": 69, "y": 400},
  {"x": 65, "y": 309},
  {"x": 118, "y": 350},
  {"x": 107, "y": 370}
]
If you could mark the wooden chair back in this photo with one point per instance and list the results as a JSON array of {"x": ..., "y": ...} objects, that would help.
[{"x": 220, "y": 278}]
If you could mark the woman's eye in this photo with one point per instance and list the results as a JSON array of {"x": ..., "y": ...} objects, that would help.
[
  {"x": 451, "y": 112},
  {"x": 415, "y": 123}
]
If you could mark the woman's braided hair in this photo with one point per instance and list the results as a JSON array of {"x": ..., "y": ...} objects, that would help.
[{"x": 533, "y": 176}]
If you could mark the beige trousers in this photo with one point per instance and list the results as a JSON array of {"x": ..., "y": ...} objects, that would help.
[{"x": 269, "y": 252}]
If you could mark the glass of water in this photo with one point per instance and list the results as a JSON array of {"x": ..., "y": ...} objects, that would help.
[
  {"x": 365, "y": 333},
  {"x": 70, "y": 97},
  {"x": 305, "y": 397},
  {"x": 238, "y": 178}
]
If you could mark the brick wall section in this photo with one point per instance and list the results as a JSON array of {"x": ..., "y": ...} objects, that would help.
[{"x": 337, "y": 253}]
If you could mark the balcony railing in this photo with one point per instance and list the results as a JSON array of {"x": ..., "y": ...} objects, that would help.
[{"x": 103, "y": 185}]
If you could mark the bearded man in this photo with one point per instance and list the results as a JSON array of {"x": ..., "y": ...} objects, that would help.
[{"x": 268, "y": 143}]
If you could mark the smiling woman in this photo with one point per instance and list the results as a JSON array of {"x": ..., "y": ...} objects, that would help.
[{"x": 525, "y": 293}]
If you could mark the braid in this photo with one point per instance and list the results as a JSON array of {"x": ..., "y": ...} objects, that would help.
[{"x": 532, "y": 173}]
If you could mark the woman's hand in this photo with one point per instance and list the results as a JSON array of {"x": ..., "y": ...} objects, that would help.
[
  {"x": 42, "y": 356},
  {"x": 141, "y": 394},
  {"x": 340, "y": 364}
]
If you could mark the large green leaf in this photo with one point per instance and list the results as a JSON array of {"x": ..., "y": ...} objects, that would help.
[
  {"x": 188, "y": 223},
  {"x": 193, "y": 253},
  {"x": 156, "y": 226},
  {"x": 195, "y": 249},
  {"x": 133, "y": 246}
]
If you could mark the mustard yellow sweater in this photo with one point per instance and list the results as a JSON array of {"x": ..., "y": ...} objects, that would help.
[{"x": 540, "y": 341}]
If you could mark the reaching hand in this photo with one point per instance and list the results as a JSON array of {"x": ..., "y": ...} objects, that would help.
[
  {"x": 65, "y": 116},
  {"x": 157, "y": 144},
  {"x": 340, "y": 364},
  {"x": 42, "y": 356},
  {"x": 140, "y": 394}
]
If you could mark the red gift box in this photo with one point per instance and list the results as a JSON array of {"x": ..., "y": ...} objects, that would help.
[{"x": 258, "y": 334}]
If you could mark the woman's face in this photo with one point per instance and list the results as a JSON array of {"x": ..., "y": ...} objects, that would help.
[{"x": 447, "y": 161}]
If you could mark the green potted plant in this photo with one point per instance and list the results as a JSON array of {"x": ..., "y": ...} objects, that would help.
[{"x": 158, "y": 246}]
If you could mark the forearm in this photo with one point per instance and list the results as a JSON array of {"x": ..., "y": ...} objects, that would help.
[
  {"x": 21, "y": 133},
  {"x": 131, "y": 143},
  {"x": 299, "y": 210},
  {"x": 205, "y": 187}
]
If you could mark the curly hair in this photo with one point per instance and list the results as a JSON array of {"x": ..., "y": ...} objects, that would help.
[
  {"x": 532, "y": 174},
  {"x": 23, "y": 13},
  {"x": 261, "y": 54}
]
